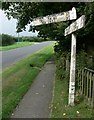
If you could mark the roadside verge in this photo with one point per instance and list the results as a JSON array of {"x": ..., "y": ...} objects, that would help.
[{"x": 18, "y": 78}]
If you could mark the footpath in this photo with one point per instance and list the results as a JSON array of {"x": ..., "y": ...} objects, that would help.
[{"x": 36, "y": 102}]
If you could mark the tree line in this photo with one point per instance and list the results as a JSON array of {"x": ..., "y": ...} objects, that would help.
[
  {"x": 6, "y": 39},
  {"x": 24, "y": 12}
]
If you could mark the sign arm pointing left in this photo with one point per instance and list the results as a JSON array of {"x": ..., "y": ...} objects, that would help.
[{"x": 64, "y": 16}]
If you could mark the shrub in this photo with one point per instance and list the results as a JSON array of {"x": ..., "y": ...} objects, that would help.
[
  {"x": 0, "y": 40},
  {"x": 32, "y": 39},
  {"x": 7, "y": 40}
]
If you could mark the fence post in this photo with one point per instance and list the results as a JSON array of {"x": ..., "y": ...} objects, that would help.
[
  {"x": 87, "y": 83},
  {"x": 67, "y": 65},
  {"x": 78, "y": 80},
  {"x": 90, "y": 86},
  {"x": 82, "y": 81},
  {"x": 93, "y": 93}
]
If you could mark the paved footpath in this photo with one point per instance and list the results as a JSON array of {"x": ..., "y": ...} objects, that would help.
[{"x": 35, "y": 104}]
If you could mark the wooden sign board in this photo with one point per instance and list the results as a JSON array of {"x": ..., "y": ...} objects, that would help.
[
  {"x": 64, "y": 16},
  {"x": 78, "y": 24}
]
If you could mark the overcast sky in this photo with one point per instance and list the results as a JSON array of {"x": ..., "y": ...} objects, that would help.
[{"x": 9, "y": 26}]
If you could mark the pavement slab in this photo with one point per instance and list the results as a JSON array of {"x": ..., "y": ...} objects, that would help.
[{"x": 36, "y": 102}]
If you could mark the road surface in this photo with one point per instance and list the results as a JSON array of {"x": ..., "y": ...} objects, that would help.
[{"x": 12, "y": 56}]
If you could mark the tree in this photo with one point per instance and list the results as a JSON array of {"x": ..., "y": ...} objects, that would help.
[
  {"x": 7, "y": 40},
  {"x": 24, "y": 12}
]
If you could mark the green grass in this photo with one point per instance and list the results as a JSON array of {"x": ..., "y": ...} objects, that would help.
[
  {"x": 16, "y": 45},
  {"x": 18, "y": 78},
  {"x": 60, "y": 108}
]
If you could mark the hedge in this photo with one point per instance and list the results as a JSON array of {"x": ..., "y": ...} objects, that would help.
[{"x": 6, "y": 40}]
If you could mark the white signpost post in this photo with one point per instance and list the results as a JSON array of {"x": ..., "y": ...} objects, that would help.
[
  {"x": 64, "y": 16},
  {"x": 78, "y": 24}
]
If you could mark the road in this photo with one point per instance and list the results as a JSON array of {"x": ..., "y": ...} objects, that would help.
[{"x": 12, "y": 56}]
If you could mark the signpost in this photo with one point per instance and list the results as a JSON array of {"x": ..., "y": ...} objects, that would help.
[
  {"x": 64, "y": 16},
  {"x": 78, "y": 24}
]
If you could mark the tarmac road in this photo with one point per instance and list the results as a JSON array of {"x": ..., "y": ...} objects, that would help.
[{"x": 12, "y": 56}]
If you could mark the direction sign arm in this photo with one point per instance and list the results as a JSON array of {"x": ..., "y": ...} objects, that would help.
[
  {"x": 63, "y": 16},
  {"x": 78, "y": 24}
]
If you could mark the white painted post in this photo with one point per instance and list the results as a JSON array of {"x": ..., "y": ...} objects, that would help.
[
  {"x": 78, "y": 24},
  {"x": 72, "y": 70}
]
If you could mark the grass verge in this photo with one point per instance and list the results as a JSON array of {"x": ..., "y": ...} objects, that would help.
[
  {"x": 60, "y": 108},
  {"x": 18, "y": 78},
  {"x": 16, "y": 45}
]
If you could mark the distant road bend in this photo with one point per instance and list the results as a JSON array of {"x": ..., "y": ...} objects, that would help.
[{"x": 12, "y": 56}]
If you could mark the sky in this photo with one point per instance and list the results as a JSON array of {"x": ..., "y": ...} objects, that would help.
[{"x": 9, "y": 26}]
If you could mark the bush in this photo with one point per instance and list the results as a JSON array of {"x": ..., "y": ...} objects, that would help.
[
  {"x": 32, "y": 39},
  {"x": 7, "y": 40},
  {"x": 0, "y": 40},
  {"x": 82, "y": 60}
]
